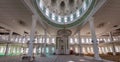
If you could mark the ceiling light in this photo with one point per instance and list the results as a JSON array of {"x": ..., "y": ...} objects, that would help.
[
  {"x": 82, "y": 60},
  {"x": 70, "y": 61}
]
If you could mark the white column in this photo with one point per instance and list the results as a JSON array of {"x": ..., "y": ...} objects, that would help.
[
  {"x": 45, "y": 40},
  {"x": 94, "y": 39},
  {"x": 7, "y": 45},
  {"x": 30, "y": 50},
  {"x": 113, "y": 45},
  {"x": 41, "y": 45},
  {"x": 37, "y": 47},
  {"x": 66, "y": 45},
  {"x": 68, "y": 49},
  {"x": 80, "y": 45},
  {"x": 50, "y": 48}
]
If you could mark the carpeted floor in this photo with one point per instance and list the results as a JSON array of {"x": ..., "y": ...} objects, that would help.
[{"x": 56, "y": 58}]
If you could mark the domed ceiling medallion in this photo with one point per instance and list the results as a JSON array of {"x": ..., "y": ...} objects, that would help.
[{"x": 64, "y": 12}]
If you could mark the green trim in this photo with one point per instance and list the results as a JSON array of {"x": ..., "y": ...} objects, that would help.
[{"x": 78, "y": 22}]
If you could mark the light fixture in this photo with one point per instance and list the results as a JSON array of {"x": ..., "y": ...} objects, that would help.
[
  {"x": 81, "y": 60},
  {"x": 70, "y": 61}
]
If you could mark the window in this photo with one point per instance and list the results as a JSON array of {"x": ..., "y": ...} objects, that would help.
[
  {"x": 117, "y": 48},
  {"x": 90, "y": 40},
  {"x": 47, "y": 50},
  {"x": 2, "y": 49},
  {"x": 59, "y": 19},
  {"x": 100, "y": 39},
  {"x": 106, "y": 49},
  {"x": 26, "y": 50},
  {"x": 82, "y": 40},
  {"x": 53, "y": 49},
  {"x": 84, "y": 6},
  {"x": 53, "y": 16},
  {"x": 87, "y": 41},
  {"x": 41, "y": 4},
  {"x": 53, "y": 40},
  {"x": 34, "y": 50},
  {"x": 76, "y": 40},
  {"x": 102, "y": 48},
  {"x": 110, "y": 49},
  {"x": 78, "y": 13},
  {"x": 88, "y": 49},
  {"x": 76, "y": 49},
  {"x": 65, "y": 19},
  {"x": 20, "y": 39},
  {"x": 28, "y": 39},
  {"x": 71, "y": 41},
  {"x": 11, "y": 39},
  {"x": 47, "y": 12},
  {"x": 35, "y": 40},
  {"x": 71, "y": 48},
  {"x": 16, "y": 39},
  {"x": 23, "y": 40},
  {"x": 84, "y": 50},
  {"x": 108, "y": 39},
  {"x": 40, "y": 40},
  {"x": 48, "y": 41},
  {"x": 104, "y": 39},
  {"x": 71, "y": 17},
  {"x": 43, "y": 40}
]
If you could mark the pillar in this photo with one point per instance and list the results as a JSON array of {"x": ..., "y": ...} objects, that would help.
[
  {"x": 45, "y": 40},
  {"x": 94, "y": 39},
  {"x": 30, "y": 49},
  {"x": 7, "y": 45},
  {"x": 41, "y": 44},
  {"x": 37, "y": 47},
  {"x": 80, "y": 44},
  {"x": 50, "y": 47},
  {"x": 113, "y": 45}
]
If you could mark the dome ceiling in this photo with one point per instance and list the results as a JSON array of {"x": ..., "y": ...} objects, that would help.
[
  {"x": 64, "y": 12},
  {"x": 62, "y": 7}
]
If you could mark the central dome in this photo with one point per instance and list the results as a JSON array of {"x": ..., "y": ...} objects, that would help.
[
  {"x": 64, "y": 12},
  {"x": 62, "y": 7}
]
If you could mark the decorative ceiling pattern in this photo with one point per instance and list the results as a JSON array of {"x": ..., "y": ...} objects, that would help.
[
  {"x": 76, "y": 18},
  {"x": 63, "y": 7}
]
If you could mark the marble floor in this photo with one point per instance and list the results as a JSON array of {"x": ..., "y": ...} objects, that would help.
[{"x": 57, "y": 58}]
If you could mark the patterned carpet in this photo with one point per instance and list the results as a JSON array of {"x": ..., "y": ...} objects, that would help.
[{"x": 57, "y": 58}]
